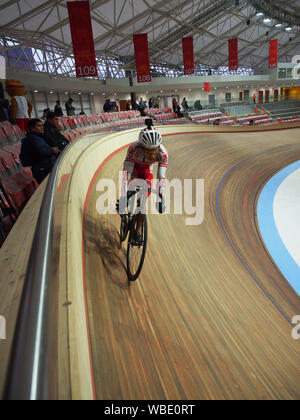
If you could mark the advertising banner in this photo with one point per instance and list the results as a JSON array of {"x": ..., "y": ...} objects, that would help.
[
  {"x": 82, "y": 38},
  {"x": 188, "y": 55},
  {"x": 233, "y": 54},
  {"x": 142, "y": 61},
  {"x": 273, "y": 54}
]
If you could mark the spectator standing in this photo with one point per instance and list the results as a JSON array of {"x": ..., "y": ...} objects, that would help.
[
  {"x": 6, "y": 106},
  {"x": 184, "y": 105},
  {"x": 142, "y": 107},
  {"x": 106, "y": 106},
  {"x": 254, "y": 98},
  {"x": 174, "y": 104},
  {"x": 198, "y": 106},
  {"x": 58, "y": 109},
  {"x": 128, "y": 106},
  {"x": 150, "y": 103},
  {"x": 35, "y": 152},
  {"x": 52, "y": 134},
  {"x": 4, "y": 116},
  {"x": 45, "y": 112},
  {"x": 178, "y": 111},
  {"x": 70, "y": 110},
  {"x": 4, "y": 111}
]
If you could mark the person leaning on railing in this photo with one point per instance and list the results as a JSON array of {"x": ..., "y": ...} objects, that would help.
[{"x": 36, "y": 153}]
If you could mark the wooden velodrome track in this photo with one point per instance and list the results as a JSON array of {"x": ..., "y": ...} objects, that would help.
[{"x": 209, "y": 317}]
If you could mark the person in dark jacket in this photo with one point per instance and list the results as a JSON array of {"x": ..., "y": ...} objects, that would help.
[
  {"x": 178, "y": 111},
  {"x": 35, "y": 152},
  {"x": 52, "y": 134},
  {"x": 4, "y": 114},
  {"x": 106, "y": 106},
  {"x": 58, "y": 109},
  {"x": 69, "y": 107}
]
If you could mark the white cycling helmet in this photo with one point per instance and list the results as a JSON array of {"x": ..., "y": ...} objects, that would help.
[{"x": 150, "y": 138}]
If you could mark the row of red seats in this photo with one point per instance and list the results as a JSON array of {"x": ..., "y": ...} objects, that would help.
[
  {"x": 16, "y": 180},
  {"x": 206, "y": 116},
  {"x": 127, "y": 123},
  {"x": 253, "y": 117},
  {"x": 177, "y": 121},
  {"x": 157, "y": 111},
  {"x": 211, "y": 120},
  {"x": 289, "y": 121},
  {"x": 114, "y": 116},
  {"x": 260, "y": 121},
  {"x": 162, "y": 117}
]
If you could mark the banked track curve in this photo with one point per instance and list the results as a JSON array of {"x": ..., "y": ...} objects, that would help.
[{"x": 196, "y": 325}]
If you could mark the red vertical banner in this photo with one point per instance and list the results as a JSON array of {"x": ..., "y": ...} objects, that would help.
[
  {"x": 142, "y": 61},
  {"x": 206, "y": 87},
  {"x": 273, "y": 54},
  {"x": 188, "y": 55},
  {"x": 233, "y": 54},
  {"x": 82, "y": 38}
]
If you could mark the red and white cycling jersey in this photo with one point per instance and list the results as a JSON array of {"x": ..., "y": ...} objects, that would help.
[{"x": 139, "y": 164}]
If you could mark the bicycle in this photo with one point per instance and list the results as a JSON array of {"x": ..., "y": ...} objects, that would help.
[{"x": 128, "y": 225}]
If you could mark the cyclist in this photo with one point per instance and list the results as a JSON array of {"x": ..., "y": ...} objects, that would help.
[{"x": 138, "y": 164}]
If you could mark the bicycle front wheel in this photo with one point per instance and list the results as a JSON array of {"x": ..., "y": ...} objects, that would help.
[
  {"x": 136, "y": 253},
  {"x": 123, "y": 227}
]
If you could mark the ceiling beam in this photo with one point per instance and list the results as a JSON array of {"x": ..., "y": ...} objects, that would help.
[
  {"x": 7, "y": 4},
  {"x": 29, "y": 15},
  {"x": 133, "y": 20},
  {"x": 65, "y": 21}
]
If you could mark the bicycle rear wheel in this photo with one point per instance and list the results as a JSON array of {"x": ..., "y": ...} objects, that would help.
[{"x": 136, "y": 254}]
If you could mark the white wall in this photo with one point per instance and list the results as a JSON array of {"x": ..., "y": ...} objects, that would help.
[
  {"x": 199, "y": 94},
  {"x": 94, "y": 103}
]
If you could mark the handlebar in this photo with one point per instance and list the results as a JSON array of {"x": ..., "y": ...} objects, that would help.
[{"x": 137, "y": 189}]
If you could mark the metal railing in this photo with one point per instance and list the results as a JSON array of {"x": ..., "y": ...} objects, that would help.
[{"x": 30, "y": 371}]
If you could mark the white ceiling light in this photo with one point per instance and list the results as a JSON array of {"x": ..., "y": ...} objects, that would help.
[
  {"x": 279, "y": 25},
  {"x": 288, "y": 29},
  {"x": 267, "y": 20},
  {"x": 259, "y": 14}
]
